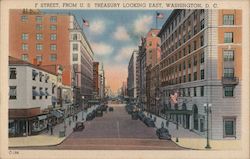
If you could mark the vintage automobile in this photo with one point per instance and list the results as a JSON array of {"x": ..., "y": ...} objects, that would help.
[
  {"x": 149, "y": 122},
  {"x": 79, "y": 126},
  {"x": 134, "y": 115},
  {"x": 163, "y": 133}
]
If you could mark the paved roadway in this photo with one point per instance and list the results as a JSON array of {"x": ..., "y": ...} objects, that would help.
[{"x": 114, "y": 131}]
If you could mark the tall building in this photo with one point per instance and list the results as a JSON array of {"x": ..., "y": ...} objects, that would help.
[
  {"x": 201, "y": 61},
  {"x": 54, "y": 39},
  {"x": 102, "y": 82},
  {"x": 132, "y": 76},
  {"x": 96, "y": 79},
  {"x": 152, "y": 58}
]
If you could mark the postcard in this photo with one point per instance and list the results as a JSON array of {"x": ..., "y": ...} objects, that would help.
[{"x": 124, "y": 79}]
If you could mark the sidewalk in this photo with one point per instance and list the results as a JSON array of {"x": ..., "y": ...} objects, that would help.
[
  {"x": 191, "y": 140},
  {"x": 45, "y": 138}
]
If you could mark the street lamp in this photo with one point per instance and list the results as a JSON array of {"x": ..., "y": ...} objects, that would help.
[
  {"x": 82, "y": 108},
  {"x": 207, "y": 108}
]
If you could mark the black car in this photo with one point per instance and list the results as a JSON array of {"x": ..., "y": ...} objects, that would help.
[
  {"x": 111, "y": 109},
  {"x": 163, "y": 133},
  {"x": 99, "y": 113},
  {"x": 149, "y": 122},
  {"x": 90, "y": 116},
  {"x": 134, "y": 115},
  {"x": 141, "y": 116},
  {"x": 79, "y": 126}
]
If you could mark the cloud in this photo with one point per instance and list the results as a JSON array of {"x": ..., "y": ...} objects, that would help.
[
  {"x": 143, "y": 24},
  {"x": 97, "y": 27},
  {"x": 121, "y": 34},
  {"x": 101, "y": 49},
  {"x": 125, "y": 53}
]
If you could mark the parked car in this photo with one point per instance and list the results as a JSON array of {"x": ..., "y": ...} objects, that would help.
[
  {"x": 134, "y": 115},
  {"x": 79, "y": 126},
  {"x": 163, "y": 133},
  {"x": 90, "y": 116},
  {"x": 111, "y": 109},
  {"x": 141, "y": 116},
  {"x": 99, "y": 113},
  {"x": 149, "y": 122}
]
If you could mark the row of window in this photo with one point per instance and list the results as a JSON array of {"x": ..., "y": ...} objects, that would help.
[
  {"x": 39, "y": 47},
  {"x": 53, "y": 19},
  {"x": 186, "y": 92},
  {"x": 39, "y": 36},
  {"x": 40, "y": 27},
  {"x": 52, "y": 57},
  {"x": 40, "y": 93},
  {"x": 184, "y": 78}
]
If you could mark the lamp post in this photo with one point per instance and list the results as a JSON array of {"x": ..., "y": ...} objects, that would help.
[
  {"x": 82, "y": 108},
  {"x": 207, "y": 108}
]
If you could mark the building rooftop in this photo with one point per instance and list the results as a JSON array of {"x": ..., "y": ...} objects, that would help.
[{"x": 17, "y": 62}]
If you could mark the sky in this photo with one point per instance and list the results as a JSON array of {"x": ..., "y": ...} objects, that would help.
[{"x": 114, "y": 34}]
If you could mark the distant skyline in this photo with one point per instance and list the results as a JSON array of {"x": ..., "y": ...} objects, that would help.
[{"x": 113, "y": 35}]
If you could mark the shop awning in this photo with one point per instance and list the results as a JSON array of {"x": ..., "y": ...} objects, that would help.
[
  {"x": 46, "y": 93},
  {"x": 35, "y": 93},
  {"x": 42, "y": 117},
  {"x": 34, "y": 73}
]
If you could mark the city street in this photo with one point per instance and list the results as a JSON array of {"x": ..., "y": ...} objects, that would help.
[{"x": 115, "y": 131}]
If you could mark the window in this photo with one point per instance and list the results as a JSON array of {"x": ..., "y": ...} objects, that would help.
[
  {"x": 184, "y": 78},
  {"x": 53, "y": 37},
  {"x": 189, "y": 93},
  {"x": 41, "y": 95},
  {"x": 74, "y": 36},
  {"x": 202, "y": 59},
  {"x": 39, "y": 36},
  {"x": 75, "y": 47},
  {"x": 39, "y": 47},
  {"x": 24, "y": 57},
  {"x": 228, "y": 55},
  {"x": 202, "y": 40},
  {"x": 228, "y": 19},
  {"x": 228, "y": 72},
  {"x": 53, "y": 57},
  {"x": 202, "y": 91},
  {"x": 189, "y": 34},
  {"x": 202, "y": 74},
  {"x": 195, "y": 76},
  {"x": 189, "y": 63},
  {"x": 184, "y": 65},
  {"x": 41, "y": 76},
  {"x": 39, "y": 19},
  {"x": 195, "y": 29},
  {"x": 39, "y": 58},
  {"x": 179, "y": 67},
  {"x": 194, "y": 45},
  {"x": 189, "y": 77},
  {"x": 229, "y": 126},
  {"x": 24, "y": 18},
  {"x": 34, "y": 93},
  {"x": 24, "y": 36},
  {"x": 189, "y": 48},
  {"x": 53, "y": 19},
  {"x": 184, "y": 52},
  {"x": 34, "y": 74},
  {"x": 39, "y": 27},
  {"x": 12, "y": 73},
  {"x": 24, "y": 47},
  {"x": 12, "y": 92},
  {"x": 53, "y": 27},
  {"x": 75, "y": 57},
  {"x": 46, "y": 93},
  {"x": 53, "y": 47},
  {"x": 202, "y": 24},
  {"x": 195, "y": 92},
  {"x": 195, "y": 60},
  {"x": 228, "y": 91},
  {"x": 228, "y": 37}
]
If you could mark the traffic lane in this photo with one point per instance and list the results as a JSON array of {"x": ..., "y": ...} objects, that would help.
[{"x": 116, "y": 124}]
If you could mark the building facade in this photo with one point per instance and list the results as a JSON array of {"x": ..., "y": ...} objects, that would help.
[
  {"x": 96, "y": 79},
  {"x": 31, "y": 93},
  {"x": 201, "y": 61},
  {"x": 102, "y": 82},
  {"x": 132, "y": 76}
]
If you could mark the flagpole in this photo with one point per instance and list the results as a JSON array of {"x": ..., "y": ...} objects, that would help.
[{"x": 156, "y": 20}]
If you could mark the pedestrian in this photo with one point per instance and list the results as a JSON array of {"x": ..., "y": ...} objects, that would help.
[
  {"x": 69, "y": 121},
  {"x": 48, "y": 127},
  {"x": 51, "y": 130},
  {"x": 76, "y": 117}
]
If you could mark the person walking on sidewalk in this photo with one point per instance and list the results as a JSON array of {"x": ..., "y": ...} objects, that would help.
[{"x": 51, "y": 129}]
